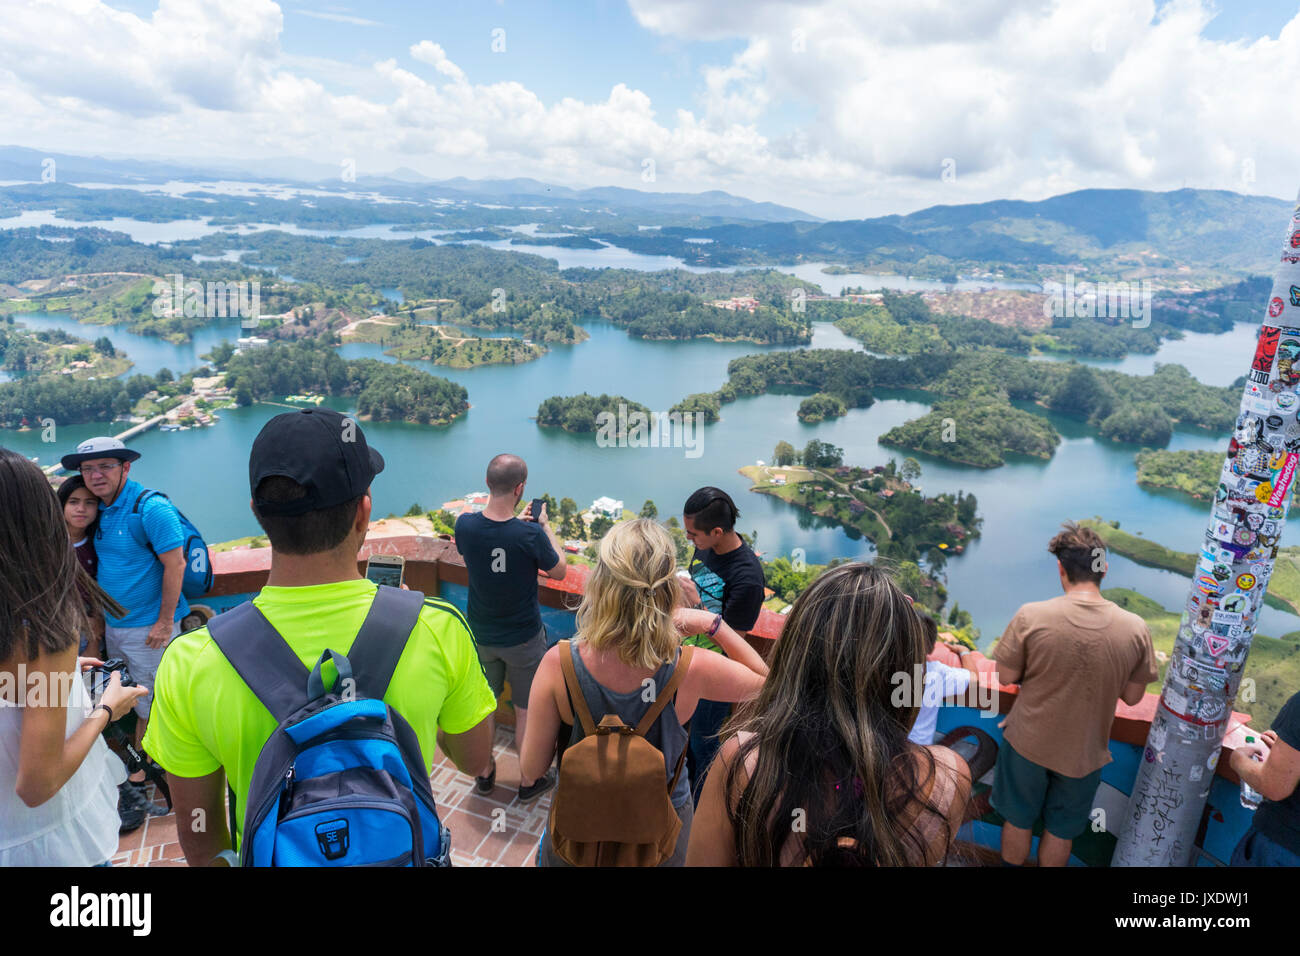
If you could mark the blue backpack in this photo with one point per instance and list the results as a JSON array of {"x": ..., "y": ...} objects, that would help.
[
  {"x": 198, "y": 563},
  {"x": 341, "y": 781}
]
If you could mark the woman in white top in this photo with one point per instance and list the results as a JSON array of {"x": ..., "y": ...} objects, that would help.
[{"x": 58, "y": 780}]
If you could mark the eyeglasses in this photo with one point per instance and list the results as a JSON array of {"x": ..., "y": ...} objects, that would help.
[{"x": 100, "y": 469}]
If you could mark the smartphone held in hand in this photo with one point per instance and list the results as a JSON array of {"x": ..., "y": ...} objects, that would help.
[{"x": 386, "y": 569}]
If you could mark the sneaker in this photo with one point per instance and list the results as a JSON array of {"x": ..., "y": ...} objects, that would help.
[
  {"x": 130, "y": 808},
  {"x": 487, "y": 784},
  {"x": 539, "y": 787},
  {"x": 153, "y": 809}
]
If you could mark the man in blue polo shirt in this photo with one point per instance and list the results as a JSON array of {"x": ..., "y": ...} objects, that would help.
[{"x": 145, "y": 578}]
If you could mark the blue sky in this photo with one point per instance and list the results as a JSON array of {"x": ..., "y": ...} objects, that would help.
[{"x": 841, "y": 108}]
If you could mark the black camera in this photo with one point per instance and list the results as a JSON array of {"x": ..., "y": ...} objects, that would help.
[{"x": 103, "y": 673}]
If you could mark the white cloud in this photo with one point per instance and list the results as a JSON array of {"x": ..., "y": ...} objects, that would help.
[
  {"x": 1026, "y": 100},
  {"x": 426, "y": 51},
  {"x": 339, "y": 18}
]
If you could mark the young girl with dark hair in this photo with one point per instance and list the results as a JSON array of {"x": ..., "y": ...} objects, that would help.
[{"x": 81, "y": 515}]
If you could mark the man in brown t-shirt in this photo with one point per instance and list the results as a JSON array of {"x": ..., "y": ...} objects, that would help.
[{"x": 1073, "y": 657}]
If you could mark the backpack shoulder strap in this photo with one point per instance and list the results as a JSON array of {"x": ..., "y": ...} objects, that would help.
[
  {"x": 379, "y": 644},
  {"x": 135, "y": 520},
  {"x": 669, "y": 691},
  {"x": 262, "y": 658},
  {"x": 576, "y": 696}
]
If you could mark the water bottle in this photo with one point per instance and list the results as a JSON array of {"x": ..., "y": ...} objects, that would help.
[{"x": 1250, "y": 797}]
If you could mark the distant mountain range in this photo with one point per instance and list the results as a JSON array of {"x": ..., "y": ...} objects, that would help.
[
  {"x": 1199, "y": 228},
  {"x": 1110, "y": 230},
  {"x": 23, "y": 164}
]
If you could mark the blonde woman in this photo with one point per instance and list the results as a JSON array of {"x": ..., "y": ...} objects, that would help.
[{"x": 630, "y": 629}]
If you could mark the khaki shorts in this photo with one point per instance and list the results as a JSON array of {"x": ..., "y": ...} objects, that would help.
[
  {"x": 141, "y": 660},
  {"x": 514, "y": 662}
]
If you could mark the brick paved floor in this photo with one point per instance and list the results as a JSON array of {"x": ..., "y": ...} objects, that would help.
[{"x": 491, "y": 830}]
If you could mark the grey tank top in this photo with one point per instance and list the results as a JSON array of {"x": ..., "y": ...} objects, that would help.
[{"x": 666, "y": 733}]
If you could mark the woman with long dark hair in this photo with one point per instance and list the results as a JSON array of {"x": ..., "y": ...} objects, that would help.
[
  {"x": 81, "y": 515},
  {"x": 58, "y": 781},
  {"x": 818, "y": 770}
]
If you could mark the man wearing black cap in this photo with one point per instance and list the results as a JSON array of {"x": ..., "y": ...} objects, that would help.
[{"x": 310, "y": 474}]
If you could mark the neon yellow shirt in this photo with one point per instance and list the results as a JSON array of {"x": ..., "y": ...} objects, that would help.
[{"x": 204, "y": 716}]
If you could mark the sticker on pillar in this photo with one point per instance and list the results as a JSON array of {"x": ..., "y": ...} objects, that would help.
[
  {"x": 1246, "y": 581},
  {"x": 1213, "y": 761},
  {"x": 1256, "y": 392},
  {"x": 1286, "y": 401},
  {"x": 1275, "y": 307},
  {"x": 1208, "y": 584},
  {"x": 1266, "y": 346},
  {"x": 1282, "y": 481},
  {"x": 1174, "y": 702},
  {"x": 1288, "y": 369},
  {"x": 1216, "y": 644},
  {"x": 1288, "y": 362}
]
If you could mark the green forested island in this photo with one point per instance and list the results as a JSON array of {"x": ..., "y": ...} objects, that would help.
[
  {"x": 977, "y": 430},
  {"x": 905, "y": 325},
  {"x": 879, "y": 503},
  {"x": 1194, "y": 473},
  {"x": 816, "y": 408},
  {"x": 55, "y": 352},
  {"x": 384, "y": 391},
  {"x": 443, "y": 345},
  {"x": 980, "y": 386},
  {"x": 580, "y": 413}
]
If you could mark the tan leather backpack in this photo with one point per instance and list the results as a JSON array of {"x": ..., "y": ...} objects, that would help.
[{"x": 610, "y": 806}]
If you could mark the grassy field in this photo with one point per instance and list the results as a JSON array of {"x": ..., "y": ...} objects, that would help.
[
  {"x": 1283, "y": 586},
  {"x": 1274, "y": 663}
]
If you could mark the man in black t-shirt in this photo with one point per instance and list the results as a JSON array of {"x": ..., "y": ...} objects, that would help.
[
  {"x": 727, "y": 579},
  {"x": 1272, "y": 766},
  {"x": 503, "y": 555}
]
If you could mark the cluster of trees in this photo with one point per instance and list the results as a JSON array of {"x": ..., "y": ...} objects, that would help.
[
  {"x": 821, "y": 406},
  {"x": 385, "y": 391},
  {"x": 710, "y": 403},
  {"x": 73, "y": 401},
  {"x": 977, "y": 430},
  {"x": 1194, "y": 473},
  {"x": 579, "y": 413},
  {"x": 654, "y": 314},
  {"x": 844, "y": 374},
  {"x": 905, "y": 325},
  {"x": 789, "y": 581}
]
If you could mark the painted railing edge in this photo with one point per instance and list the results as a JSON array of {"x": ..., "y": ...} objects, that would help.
[{"x": 431, "y": 560}]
